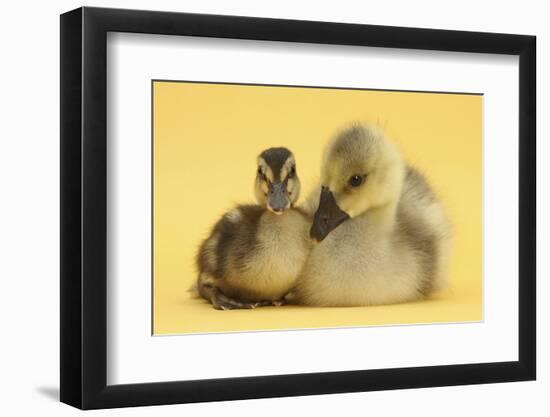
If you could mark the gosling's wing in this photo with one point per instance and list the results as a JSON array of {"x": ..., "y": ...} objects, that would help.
[
  {"x": 416, "y": 188},
  {"x": 424, "y": 226}
]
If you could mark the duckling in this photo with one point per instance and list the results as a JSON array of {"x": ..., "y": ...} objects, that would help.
[
  {"x": 383, "y": 236},
  {"x": 254, "y": 253}
]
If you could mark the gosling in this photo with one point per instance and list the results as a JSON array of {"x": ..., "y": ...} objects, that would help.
[
  {"x": 383, "y": 236},
  {"x": 254, "y": 253}
]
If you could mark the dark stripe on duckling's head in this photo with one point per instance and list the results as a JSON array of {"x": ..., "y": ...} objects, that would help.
[
  {"x": 275, "y": 158},
  {"x": 277, "y": 185}
]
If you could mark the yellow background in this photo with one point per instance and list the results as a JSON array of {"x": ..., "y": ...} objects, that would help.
[{"x": 205, "y": 140}]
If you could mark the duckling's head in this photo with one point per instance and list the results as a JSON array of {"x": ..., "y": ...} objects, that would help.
[
  {"x": 361, "y": 171},
  {"x": 277, "y": 185}
]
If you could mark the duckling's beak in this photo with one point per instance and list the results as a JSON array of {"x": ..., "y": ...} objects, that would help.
[
  {"x": 278, "y": 200},
  {"x": 327, "y": 217}
]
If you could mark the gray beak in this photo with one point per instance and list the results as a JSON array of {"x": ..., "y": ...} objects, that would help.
[
  {"x": 327, "y": 217},
  {"x": 278, "y": 199}
]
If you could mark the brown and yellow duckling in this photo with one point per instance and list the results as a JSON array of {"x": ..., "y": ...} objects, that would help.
[{"x": 254, "y": 253}]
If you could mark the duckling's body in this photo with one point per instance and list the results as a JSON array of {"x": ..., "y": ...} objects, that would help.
[
  {"x": 254, "y": 255},
  {"x": 393, "y": 241},
  {"x": 255, "y": 252}
]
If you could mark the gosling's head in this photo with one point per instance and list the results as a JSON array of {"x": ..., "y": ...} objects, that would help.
[
  {"x": 277, "y": 185},
  {"x": 361, "y": 170}
]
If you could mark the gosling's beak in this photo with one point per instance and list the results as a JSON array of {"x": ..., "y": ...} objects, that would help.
[
  {"x": 327, "y": 217},
  {"x": 278, "y": 200}
]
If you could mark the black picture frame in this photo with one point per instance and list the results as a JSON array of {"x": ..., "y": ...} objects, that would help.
[{"x": 84, "y": 210}]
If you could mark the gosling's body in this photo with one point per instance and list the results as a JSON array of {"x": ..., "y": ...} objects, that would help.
[
  {"x": 255, "y": 252},
  {"x": 396, "y": 245}
]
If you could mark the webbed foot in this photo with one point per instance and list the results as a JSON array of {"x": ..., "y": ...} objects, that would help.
[
  {"x": 222, "y": 302},
  {"x": 271, "y": 303}
]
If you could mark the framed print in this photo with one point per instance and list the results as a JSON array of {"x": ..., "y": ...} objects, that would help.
[{"x": 258, "y": 207}]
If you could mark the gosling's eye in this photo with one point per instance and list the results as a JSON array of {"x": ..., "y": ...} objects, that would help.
[
  {"x": 292, "y": 172},
  {"x": 260, "y": 173},
  {"x": 356, "y": 180}
]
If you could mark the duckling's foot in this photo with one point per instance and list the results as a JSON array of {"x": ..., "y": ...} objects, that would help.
[
  {"x": 222, "y": 302},
  {"x": 271, "y": 303}
]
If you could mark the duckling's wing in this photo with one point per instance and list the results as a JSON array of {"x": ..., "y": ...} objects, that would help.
[{"x": 232, "y": 237}]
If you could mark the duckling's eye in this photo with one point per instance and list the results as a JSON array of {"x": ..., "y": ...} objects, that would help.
[
  {"x": 292, "y": 172},
  {"x": 355, "y": 180}
]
